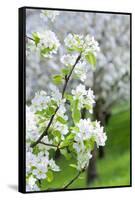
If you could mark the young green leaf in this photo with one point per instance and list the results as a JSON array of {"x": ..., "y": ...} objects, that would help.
[
  {"x": 57, "y": 79},
  {"x": 76, "y": 114},
  {"x": 61, "y": 120},
  {"x": 65, "y": 71},
  {"x": 65, "y": 154},
  {"x": 73, "y": 165},
  {"x": 49, "y": 176},
  {"x": 91, "y": 59},
  {"x": 35, "y": 38}
]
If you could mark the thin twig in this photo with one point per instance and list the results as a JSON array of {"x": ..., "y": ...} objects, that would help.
[
  {"x": 63, "y": 92},
  {"x": 70, "y": 182},
  {"x": 47, "y": 144},
  {"x": 29, "y": 38}
]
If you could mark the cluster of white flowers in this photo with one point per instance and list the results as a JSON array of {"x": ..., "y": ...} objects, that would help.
[
  {"x": 31, "y": 127},
  {"x": 81, "y": 67},
  {"x": 41, "y": 101},
  {"x": 48, "y": 43},
  {"x": 69, "y": 59},
  {"x": 85, "y": 131},
  {"x": 81, "y": 70},
  {"x": 82, "y": 44},
  {"x": 37, "y": 167},
  {"x": 85, "y": 97},
  {"x": 50, "y": 14}
]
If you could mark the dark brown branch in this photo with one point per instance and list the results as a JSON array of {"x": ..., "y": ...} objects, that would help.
[
  {"x": 68, "y": 77},
  {"x": 74, "y": 179},
  {"x": 30, "y": 38},
  {"x": 46, "y": 130},
  {"x": 63, "y": 92},
  {"x": 47, "y": 144}
]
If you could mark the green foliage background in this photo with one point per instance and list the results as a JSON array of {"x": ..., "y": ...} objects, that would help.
[{"x": 114, "y": 169}]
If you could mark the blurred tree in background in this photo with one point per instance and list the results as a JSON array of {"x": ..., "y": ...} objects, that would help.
[{"x": 110, "y": 81}]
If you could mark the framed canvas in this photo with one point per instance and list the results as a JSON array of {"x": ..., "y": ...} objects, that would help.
[{"x": 74, "y": 99}]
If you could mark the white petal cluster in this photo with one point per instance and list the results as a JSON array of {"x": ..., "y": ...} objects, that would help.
[
  {"x": 81, "y": 67},
  {"x": 85, "y": 131},
  {"x": 50, "y": 14},
  {"x": 81, "y": 70},
  {"x": 41, "y": 100},
  {"x": 74, "y": 41},
  {"x": 37, "y": 167},
  {"x": 31, "y": 184},
  {"x": 85, "y": 97},
  {"x": 32, "y": 132},
  {"x": 82, "y": 44},
  {"x": 48, "y": 44},
  {"x": 68, "y": 59},
  {"x": 99, "y": 134},
  {"x": 90, "y": 45},
  {"x": 56, "y": 94}
]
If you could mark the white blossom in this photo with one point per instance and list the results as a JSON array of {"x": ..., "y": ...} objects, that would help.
[
  {"x": 81, "y": 67},
  {"x": 85, "y": 97},
  {"x": 48, "y": 44},
  {"x": 82, "y": 44},
  {"x": 40, "y": 101},
  {"x": 31, "y": 184},
  {"x": 81, "y": 70},
  {"x": 99, "y": 134},
  {"x": 32, "y": 132},
  {"x": 53, "y": 165},
  {"x": 37, "y": 166},
  {"x": 51, "y": 14},
  {"x": 83, "y": 160},
  {"x": 68, "y": 59},
  {"x": 87, "y": 130}
]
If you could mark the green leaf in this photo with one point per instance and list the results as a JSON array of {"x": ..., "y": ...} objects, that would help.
[
  {"x": 61, "y": 120},
  {"x": 76, "y": 114},
  {"x": 44, "y": 51},
  {"x": 57, "y": 79},
  {"x": 65, "y": 154},
  {"x": 49, "y": 176},
  {"x": 70, "y": 136},
  {"x": 69, "y": 97},
  {"x": 92, "y": 143},
  {"x": 73, "y": 165},
  {"x": 65, "y": 71},
  {"x": 35, "y": 38},
  {"x": 50, "y": 111},
  {"x": 56, "y": 133},
  {"x": 89, "y": 144},
  {"x": 91, "y": 59}
]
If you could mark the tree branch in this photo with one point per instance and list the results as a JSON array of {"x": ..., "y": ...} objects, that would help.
[
  {"x": 57, "y": 108},
  {"x": 47, "y": 144},
  {"x": 70, "y": 182},
  {"x": 29, "y": 38}
]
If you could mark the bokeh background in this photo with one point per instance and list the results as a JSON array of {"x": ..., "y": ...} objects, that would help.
[{"x": 110, "y": 166}]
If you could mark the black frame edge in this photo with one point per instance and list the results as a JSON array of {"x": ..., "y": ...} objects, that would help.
[{"x": 21, "y": 96}]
